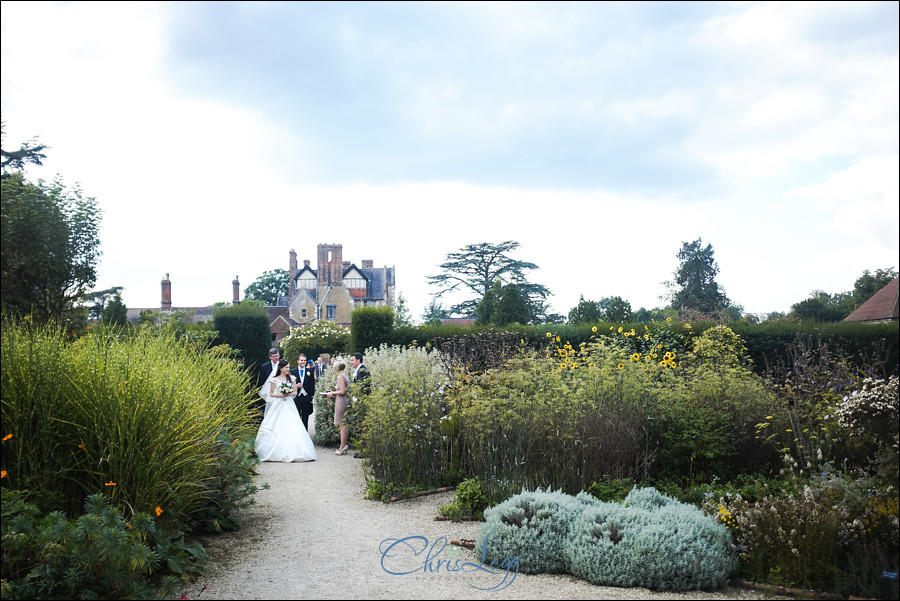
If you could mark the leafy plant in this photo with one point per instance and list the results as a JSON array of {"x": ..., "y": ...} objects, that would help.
[{"x": 96, "y": 555}]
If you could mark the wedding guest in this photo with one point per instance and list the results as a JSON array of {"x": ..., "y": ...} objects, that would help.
[
  {"x": 339, "y": 394},
  {"x": 306, "y": 379}
]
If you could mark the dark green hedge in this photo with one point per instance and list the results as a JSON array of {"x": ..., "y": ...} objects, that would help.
[
  {"x": 246, "y": 329},
  {"x": 371, "y": 327},
  {"x": 863, "y": 344}
]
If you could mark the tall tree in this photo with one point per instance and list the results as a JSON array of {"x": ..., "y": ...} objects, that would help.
[
  {"x": 472, "y": 270},
  {"x": 868, "y": 284},
  {"x": 695, "y": 280},
  {"x": 50, "y": 247},
  {"x": 822, "y": 307},
  {"x": 503, "y": 305},
  {"x": 434, "y": 313},
  {"x": 115, "y": 312},
  {"x": 15, "y": 160},
  {"x": 99, "y": 299},
  {"x": 401, "y": 313},
  {"x": 269, "y": 286},
  {"x": 615, "y": 309},
  {"x": 586, "y": 311}
]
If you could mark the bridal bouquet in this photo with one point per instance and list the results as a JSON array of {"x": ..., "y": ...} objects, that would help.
[{"x": 286, "y": 388}]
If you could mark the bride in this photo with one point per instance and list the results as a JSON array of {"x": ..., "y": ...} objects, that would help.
[{"x": 281, "y": 435}]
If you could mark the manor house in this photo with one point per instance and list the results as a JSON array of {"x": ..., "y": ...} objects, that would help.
[{"x": 331, "y": 291}]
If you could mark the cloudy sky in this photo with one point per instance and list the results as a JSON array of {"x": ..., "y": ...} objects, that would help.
[{"x": 216, "y": 137}]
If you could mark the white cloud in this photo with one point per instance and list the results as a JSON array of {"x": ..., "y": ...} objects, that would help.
[{"x": 863, "y": 200}]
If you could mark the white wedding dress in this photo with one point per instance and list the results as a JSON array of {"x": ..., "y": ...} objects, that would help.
[{"x": 281, "y": 435}]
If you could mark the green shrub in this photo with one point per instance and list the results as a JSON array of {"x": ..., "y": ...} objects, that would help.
[
  {"x": 314, "y": 339},
  {"x": 470, "y": 501},
  {"x": 98, "y": 555},
  {"x": 327, "y": 434},
  {"x": 371, "y": 327},
  {"x": 611, "y": 490}
]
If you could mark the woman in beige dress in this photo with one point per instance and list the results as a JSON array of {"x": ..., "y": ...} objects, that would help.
[{"x": 340, "y": 404}]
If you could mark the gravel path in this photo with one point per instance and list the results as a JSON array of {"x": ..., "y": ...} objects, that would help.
[{"x": 313, "y": 535}]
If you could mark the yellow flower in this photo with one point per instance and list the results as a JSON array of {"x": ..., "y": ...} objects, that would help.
[
  {"x": 110, "y": 483},
  {"x": 158, "y": 511},
  {"x": 594, "y": 329},
  {"x": 636, "y": 357},
  {"x": 668, "y": 319},
  {"x": 621, "y": 366},
  {"x": 610, "y": 328},
  {"x": 549, "y": 334},
  {"x": 620, "y": 329},
  {"x": 7, "y": 437}
]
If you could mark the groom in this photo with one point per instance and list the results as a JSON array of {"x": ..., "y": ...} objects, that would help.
[{"x": 306, "y": 376}]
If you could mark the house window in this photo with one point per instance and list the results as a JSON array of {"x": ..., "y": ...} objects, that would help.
[
  {"x": 302, "y": 312},
  {"x": 330, "y": 311}
]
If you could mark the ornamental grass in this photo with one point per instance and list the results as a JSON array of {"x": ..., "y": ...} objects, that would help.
[{"x": 133, "y": 416}]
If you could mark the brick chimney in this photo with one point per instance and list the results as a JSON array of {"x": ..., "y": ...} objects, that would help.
[
  {"x": 236, "y": 291},
  {"x": 330, "y": 262},
  {"x": 292, "y": 272},
  {"x": 166, "y": 304},
  {"x": 368, "y": 264}
]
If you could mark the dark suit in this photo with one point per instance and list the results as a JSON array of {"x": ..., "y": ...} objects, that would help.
[
  {"x": 362, "y": 374},
  {"x": 304, "y": 402},
  {"x": 265, "y": 370}
]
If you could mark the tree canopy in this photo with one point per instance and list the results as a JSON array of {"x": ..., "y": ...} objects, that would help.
[
  {"x": 612, "y": 308},
  {"x": 50, "y": 247},
  {"x": 269, "y": 286},
  {"x": 695, "y": 280},
  {"x": 503, "y": 305},
  {"x": 472, "y": 270},
  {"x": 15, "y": 160},
  {"x": 822, "y": 306},
  {"x": 868, "y": 284},
  {"x": 115, "y": 312}
]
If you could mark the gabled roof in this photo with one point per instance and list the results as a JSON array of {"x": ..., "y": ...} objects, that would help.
[
  {"x": 276, "y": 312},
  {"x": 306, "y": 268},
  {"x": 458, "y": 321},
  {"x": 361, "y": 271},
  {"x": 881, "y": 307}
]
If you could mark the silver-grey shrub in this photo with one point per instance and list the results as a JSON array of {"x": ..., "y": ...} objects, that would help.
[
  {"x": 651, "y": 540},
  {"x": 532, "y": 526}
]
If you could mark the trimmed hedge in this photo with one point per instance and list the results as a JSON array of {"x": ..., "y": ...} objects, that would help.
[
  {"x": 246, "y": 329},
  {"x": 370, "y": 327},
  {"x": 864, "y": 344}
]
